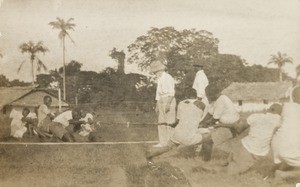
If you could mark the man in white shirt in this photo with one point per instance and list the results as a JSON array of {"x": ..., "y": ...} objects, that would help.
[
  {"x": 44, "y": 111},
  {"x": 166, "y": 103},
  {"x": 200, "y": 84},
  {"x": 59, "y": 124},
  {"x": 186, "y": 132},
  {"x": 222, "y": 112},
  {"x": 247, "y": 151},
  {"x": 286, "y": 141}
]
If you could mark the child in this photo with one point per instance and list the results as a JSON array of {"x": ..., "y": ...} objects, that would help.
[
  {"x": 30, "y": 121},
  {"x": 21, "y": 124},
  {"x": 88, "y": 126}
]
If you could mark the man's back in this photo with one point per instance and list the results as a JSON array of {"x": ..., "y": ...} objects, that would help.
[{"x": 189, "y": 116}]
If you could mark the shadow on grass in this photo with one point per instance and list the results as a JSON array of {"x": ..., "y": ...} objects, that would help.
[{"x": 160, "y": 174}]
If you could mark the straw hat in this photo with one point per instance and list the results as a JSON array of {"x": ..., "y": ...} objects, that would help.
[{"x": 157, "y": 66}]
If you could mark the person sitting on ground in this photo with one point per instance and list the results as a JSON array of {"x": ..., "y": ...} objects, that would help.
[
  {"x": 88, "y": 126},
  {"x": 286, "y": 140},
  {"x": 43, "y": 112},
  {"x": 222, "y": 112},
  {"x": 186, "y": 132},
  {"x": 68, "y": 119},
  {"x": 18, "y": 124},
  {"x": 30, "y": 121},
  {"x": 247, "y": 151}
]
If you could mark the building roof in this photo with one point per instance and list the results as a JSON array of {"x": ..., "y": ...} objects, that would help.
[
  {"x": 35, "y": 98},
  {"x": 257, "y": 91},
  {"x": 27, "y": 96},
  {"x": 10, "y": 94}
]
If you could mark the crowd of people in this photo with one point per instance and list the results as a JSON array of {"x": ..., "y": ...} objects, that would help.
[
  {"x": 69, "y": 126},
  {"x": 195, "y": 121},
  {"x": 206, "y": 110}
]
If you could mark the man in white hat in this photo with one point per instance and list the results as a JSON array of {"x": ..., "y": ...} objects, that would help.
[{"x": 166, "y": 103}]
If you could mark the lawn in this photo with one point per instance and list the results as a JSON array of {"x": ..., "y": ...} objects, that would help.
[{"x": 119, "y": 164}]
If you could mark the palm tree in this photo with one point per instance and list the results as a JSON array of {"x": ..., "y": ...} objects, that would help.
[
  {"x": 33, "y": 49},
  {"x": 63, "y": 26},
  {"x": 280, "y": 60}
]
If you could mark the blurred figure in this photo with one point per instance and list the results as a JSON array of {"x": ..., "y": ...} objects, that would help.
[
  {"x": 286, "y": 141},
  {"x": 222, "y": 112},
  {"x": 246, "y": 152},
  {"x": 166, "y": 103},
  {"x": 186, "y": 132}
]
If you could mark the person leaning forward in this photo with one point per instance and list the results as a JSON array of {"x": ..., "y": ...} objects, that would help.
[{"x": 166, "y": 103}]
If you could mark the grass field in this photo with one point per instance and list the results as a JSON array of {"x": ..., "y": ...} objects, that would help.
[{"x": 117, "y": 164}]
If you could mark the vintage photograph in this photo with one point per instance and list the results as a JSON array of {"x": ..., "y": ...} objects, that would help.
[{"x": 150, "y": 93}]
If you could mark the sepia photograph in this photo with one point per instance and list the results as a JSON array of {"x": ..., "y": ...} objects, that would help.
[{"x": 150, "y": 93}]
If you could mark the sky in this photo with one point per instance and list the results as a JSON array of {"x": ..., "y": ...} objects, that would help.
[{"x": 251, "y": 29}]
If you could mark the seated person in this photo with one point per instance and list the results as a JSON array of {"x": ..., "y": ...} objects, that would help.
[
  {"x": 222, "y": 112},
  {"x": 43, "y": 112},
  {"x": 247, "y": 151},
  {"x": 59, "y": 124},
  {"x": 19, "y": 122},
  {"x": 286, "y": 140},
  {"x": 30, "y": 121},
  {"x": 186, "y": 132},
  {"x": 88, "y": 126}
]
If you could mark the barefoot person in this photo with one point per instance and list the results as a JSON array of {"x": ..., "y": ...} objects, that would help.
[
  {"x": 166, "y": 103},
  {"x": 186, "y": 132},
  {"x": 286, "y": 141}
]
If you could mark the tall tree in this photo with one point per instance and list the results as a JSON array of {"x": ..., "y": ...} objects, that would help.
[
  {"x": 280, "y": 60},
  {"x": 33, "y": 49},
  {"x": 119, "y": 56},
  {"x": 63, "y": 26}
]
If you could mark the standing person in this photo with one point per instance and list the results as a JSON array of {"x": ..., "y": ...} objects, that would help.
[
  {"x": 166, "y": 103},
  {"x": 200, "y": 83}
]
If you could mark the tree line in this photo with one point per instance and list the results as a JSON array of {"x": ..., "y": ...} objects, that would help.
[{"x": 178, "y": 49}]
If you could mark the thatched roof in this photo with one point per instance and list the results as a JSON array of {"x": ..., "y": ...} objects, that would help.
[
  {"x": 26, "y": 96},
  {"x": 10, "y": 94},
  {"x": 257, "y": 91}
]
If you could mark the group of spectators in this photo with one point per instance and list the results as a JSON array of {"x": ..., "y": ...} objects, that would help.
[
  {"x": 206, "y": 110},
  {"x": 69, "y": 126}
]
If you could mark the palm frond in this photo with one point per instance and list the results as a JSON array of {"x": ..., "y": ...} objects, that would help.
[
  {"x": 71, "y": 39},
  {"x": 41, "y": 65},
  {"x": 21, "y": 66},
  {"x": 70, "y": 19}
]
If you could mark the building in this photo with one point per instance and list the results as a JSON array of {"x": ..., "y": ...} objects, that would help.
[
  {"x": 16, "y": 98},
  {"x": 257, "y": 96}
]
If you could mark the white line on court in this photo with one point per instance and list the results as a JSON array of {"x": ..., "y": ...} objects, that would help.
[{"x": 76, "y": 143}]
